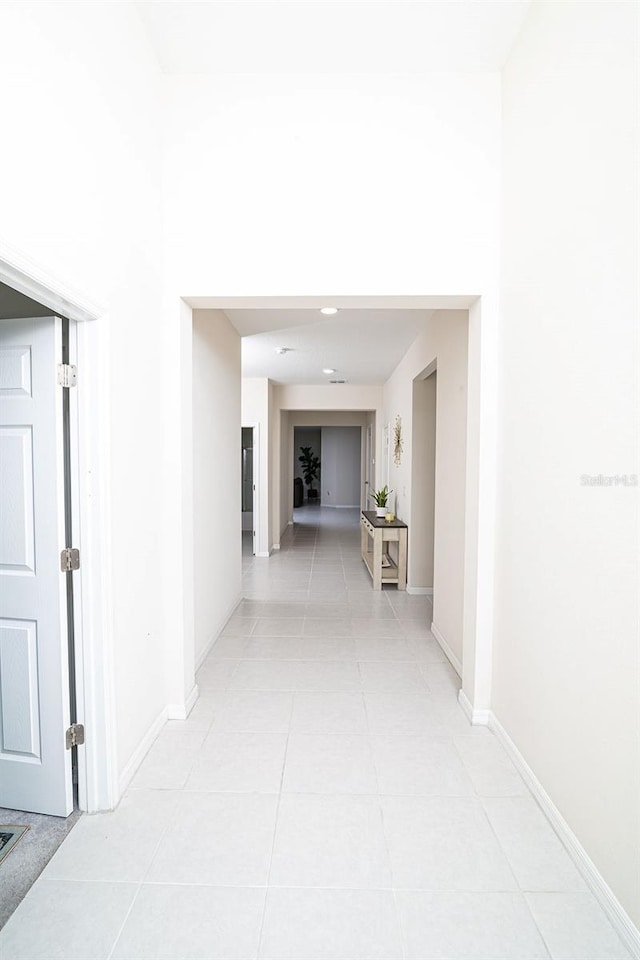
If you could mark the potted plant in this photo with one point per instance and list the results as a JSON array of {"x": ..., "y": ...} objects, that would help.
[
  {"x": 310, "y": 470},
  {"x": 380, "y": 497}
]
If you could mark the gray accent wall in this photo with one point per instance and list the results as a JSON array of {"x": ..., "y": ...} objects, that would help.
[{"x": 341, "y": 466}]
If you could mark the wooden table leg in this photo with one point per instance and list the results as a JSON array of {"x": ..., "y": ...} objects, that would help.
[
  {"x": 377, "y": 560},
  {"x": 402, "y": 560}
]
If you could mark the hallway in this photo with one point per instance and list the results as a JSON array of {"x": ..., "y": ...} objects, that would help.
[{"x": 326, "y": 800}]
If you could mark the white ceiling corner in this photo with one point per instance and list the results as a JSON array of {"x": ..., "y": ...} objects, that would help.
[{"x": 318, "y": 37}]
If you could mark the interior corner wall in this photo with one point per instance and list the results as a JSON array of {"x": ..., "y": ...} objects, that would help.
[
  {"x": 217, "y": 479},
  {"x": 565, "y": 684},
  {"x": 443, "y": 341}
]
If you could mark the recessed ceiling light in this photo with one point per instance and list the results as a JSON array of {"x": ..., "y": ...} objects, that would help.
[
  {"x": 328, "y": 311},
  {"x": 328, "y": 370}
]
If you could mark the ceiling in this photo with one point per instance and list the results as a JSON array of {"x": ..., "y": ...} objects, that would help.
[
  {"x": 320, "y": 37},
  {"x": 15, "y": 306},
  {"x": 363, "y": 342},
  {"x": 363, "y": 346}
]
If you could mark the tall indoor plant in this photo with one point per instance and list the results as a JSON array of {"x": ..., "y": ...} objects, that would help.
[{"x": 310, "y": 470}]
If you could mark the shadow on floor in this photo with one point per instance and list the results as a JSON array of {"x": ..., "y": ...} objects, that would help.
[{"x": 24, "y": 864}]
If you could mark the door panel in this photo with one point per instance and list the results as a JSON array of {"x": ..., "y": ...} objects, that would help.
[
  {"x": 15, "y": 372},
  {"x": 17, "y": 546},
  {"x": 19, "y": 689},
  {"x": 35, "y": 767}
]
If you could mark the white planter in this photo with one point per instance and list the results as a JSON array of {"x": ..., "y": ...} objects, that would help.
[{"x": 381, "y": 512}]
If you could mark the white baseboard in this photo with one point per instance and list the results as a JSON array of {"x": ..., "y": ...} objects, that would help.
[
  {"x": 479, "y": 718},
  {"x": 276, "y": 546},
  {"x": 420, "y": 591},
  {"x": 342, "y": 506},
  {"x": 619, "y": 918},
  {"x": 265, "y": 554},
  {"x": 141, "y": 751},
  {"x": 223, "y": 622},
  {"x": 180, "y": 711},
  {"x": 446, "y": 649}
]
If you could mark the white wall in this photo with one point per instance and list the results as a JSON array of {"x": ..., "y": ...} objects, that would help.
[
  {"x": 441, "y": 130},
  {"x": 566, "y": 605},
  {"x": 341, "y": 466},
  {"x": 80, "y": 195},
  {"x": 217, "y": 567},
  {"x": 443, "y": 342}
]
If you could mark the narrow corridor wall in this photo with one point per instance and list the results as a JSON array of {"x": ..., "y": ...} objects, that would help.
[
  {"x": 217, "y": 564},
  {"x": 443, "y": 342},
  {"x": 566, "y": 677}
]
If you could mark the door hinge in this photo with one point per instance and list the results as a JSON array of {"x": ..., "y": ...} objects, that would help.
[
  {"x": 74, "y": 736},
  {"x": 67, "y": 375},
  {"x": 69, "y": 559}
]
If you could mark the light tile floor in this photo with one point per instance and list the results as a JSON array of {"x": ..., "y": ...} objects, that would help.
[{"x": 325, "y": 800}]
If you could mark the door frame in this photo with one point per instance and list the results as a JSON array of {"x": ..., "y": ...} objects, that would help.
[
  {"x": 368, "y": 465},
  {"x": 418, "y": 442},
  {"x": 481, "y": 466},
  {"x": 90, "y": 459},
  {"x": 255, "y": 427}
]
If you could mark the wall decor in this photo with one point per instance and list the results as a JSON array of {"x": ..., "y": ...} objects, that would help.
[{"x": 397, "y": 441}]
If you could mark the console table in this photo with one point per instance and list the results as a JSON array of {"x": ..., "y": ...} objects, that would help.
[{"x": 376, "y": 534}]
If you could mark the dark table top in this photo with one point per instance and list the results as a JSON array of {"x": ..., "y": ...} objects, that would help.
[{"x": 380, "y": 521}]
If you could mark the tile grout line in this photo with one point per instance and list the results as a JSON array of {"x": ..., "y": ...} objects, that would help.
[
  {"x": 126, "y": 918},
  {"x": 151, "y": 861},
  {"x": 520, "y": 890},
  {"x": 400, "y": 928},
  {"x": 275, "y": 826}
]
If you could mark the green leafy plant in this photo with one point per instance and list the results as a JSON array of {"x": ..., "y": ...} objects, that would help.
[
  {"x": 310, "y": 466},
  {"x": 381, "y": 496}
]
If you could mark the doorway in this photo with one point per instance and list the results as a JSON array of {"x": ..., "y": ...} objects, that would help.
[
  {"x": 27, "y": 291},
  {"x": 307, "y": 466},
  {"x": 423, "y": 478},
  {"x": 37, "y": 654},
  {"x": 369, "y": 465},
  {"x": 477, "y": 517},
  {"x": 248, "y": 492},
  {"x": 38, "y": 521}
]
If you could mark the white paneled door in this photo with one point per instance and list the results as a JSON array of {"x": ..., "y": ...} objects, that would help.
[{"x": 35, "y": 767}]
